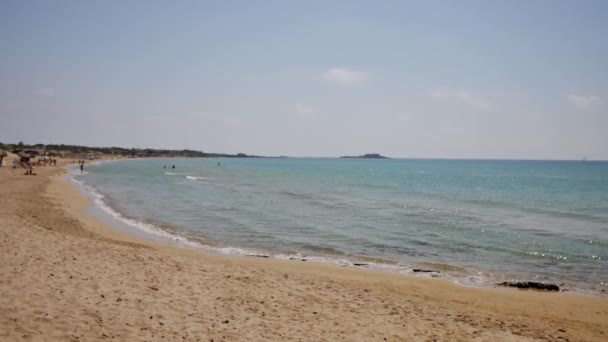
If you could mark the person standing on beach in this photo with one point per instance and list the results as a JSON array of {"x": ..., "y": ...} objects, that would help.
[{"x": 82, "y": 167}]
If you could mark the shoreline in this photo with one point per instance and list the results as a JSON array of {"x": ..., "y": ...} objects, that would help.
[
  {"x": 173, "y": 236},
  {"x": 180, "y": 242},
  {"x": 67, "y": 275}
]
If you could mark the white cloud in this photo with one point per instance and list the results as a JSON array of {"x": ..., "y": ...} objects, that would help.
[
  {"x": 45, "y": 92},
  {"x": 582, "y": 101},
  {"x": 345, "y": 76},
  {"x": 462, "y": 96},
  {"x": 306, "y": 112}
]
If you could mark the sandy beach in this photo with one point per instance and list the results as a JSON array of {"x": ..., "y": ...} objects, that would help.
[{"x": 66, "y": 276}]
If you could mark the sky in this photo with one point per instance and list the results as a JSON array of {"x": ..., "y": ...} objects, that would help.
[{"x": 413, "y": 79}]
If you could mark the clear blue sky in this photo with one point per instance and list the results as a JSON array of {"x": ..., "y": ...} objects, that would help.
[{"x": 458, "y": 79}]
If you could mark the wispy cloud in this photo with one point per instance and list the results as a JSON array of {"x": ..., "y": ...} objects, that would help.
[
  {"x": 306, "y": 112},
  {"x": 462, "y": 96},
  {"x": 45, "y": 92},
  {"x": 345, "y": 76},
  {"x": 582, "y": 101}
]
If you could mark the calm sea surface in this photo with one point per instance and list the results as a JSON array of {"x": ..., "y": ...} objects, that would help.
[{"x": 475, "y": 221}]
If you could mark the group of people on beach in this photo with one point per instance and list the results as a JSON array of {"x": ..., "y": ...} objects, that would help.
[
  {"x": 42, "y": 161},
  {"x": 29, "y": 164},
  {"x": 47, "y": 160}
]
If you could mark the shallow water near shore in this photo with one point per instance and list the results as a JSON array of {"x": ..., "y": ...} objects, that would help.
[{"x": 476, "y": 222}]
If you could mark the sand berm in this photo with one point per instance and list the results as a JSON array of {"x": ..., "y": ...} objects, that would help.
[{"x": 65, "y": 276}]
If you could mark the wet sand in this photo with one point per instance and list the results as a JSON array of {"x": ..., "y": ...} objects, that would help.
[{"x": 66, "y": 276}]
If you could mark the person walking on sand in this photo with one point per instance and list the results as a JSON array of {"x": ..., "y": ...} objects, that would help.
[{"x": 30, "y": 169}]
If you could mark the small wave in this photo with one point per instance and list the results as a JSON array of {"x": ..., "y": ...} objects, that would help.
[
  {"x": 195, "y": 178},
  {"x": 326, "y": 250},
  {"x": 238, "y": 251},
  {"x": 74, "y": 171},
  {"x": 176, "y": 174},
  {"x": 546, "y": 255},
  {"x": 315, "y": 199},
  {"x": 297, "y": 194},
  {"x": 444, "y": 267},
  {"x": 377, "y": 260}
]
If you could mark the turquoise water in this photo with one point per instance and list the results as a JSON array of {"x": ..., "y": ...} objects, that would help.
[{"x": 494, "y": 220}]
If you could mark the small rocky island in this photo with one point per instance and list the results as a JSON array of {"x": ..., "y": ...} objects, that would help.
[{"x": 368, "y": 156}]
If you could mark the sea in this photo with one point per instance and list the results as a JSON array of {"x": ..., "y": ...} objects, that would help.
[{"x": 474, "y": 222}]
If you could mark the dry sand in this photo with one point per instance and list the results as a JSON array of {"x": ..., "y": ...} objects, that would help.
[{"x": 65, "y": 276}]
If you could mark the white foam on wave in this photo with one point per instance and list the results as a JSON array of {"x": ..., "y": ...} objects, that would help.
[
  {"x": 195, "y": 178},
  {"x": 174, "y": 174},
  {"x": 177, "y": 173},
  {"x": 345, "y": 262},
  {"x": 473, "y": 280},
  {"x": 238, "y": 251},
  {"x": 329, "y": 260}
]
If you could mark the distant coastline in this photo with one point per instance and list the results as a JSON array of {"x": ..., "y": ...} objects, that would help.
[
  {"x": 368, "y": 156},
  {"x": 88, "y": 152},
  {"x": 85, "y": 152}
]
